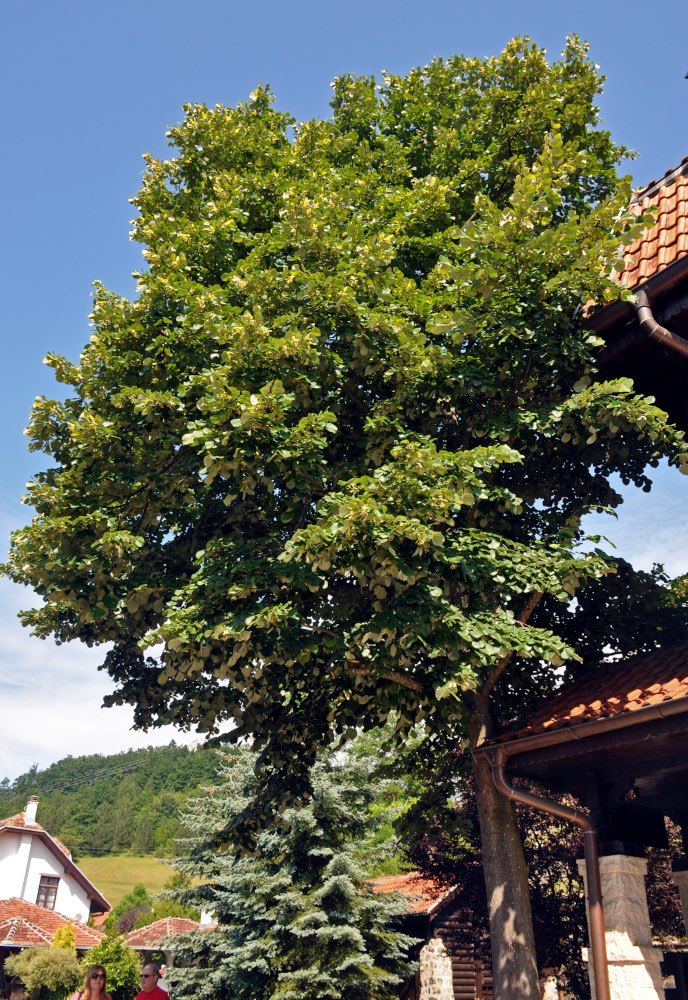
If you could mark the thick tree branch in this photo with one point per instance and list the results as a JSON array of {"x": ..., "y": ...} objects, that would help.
[
  {"x": 523, "y": 616},
  {"x": 325, "y": 631},
  {"x": 388, "y": 675}
]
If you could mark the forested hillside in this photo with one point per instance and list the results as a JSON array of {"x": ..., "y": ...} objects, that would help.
[{"x": 127, "y": 801}]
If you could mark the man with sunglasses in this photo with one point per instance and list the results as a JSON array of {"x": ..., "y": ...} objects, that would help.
[{"x": 149, "y": 984}]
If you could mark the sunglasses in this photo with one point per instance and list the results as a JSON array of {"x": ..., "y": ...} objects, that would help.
[{"x": 97, "y": 975}]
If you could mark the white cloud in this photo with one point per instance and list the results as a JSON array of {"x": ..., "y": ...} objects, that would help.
[
  {"x": 650, "y": 527},
  {"x": 51, "y": 699}
]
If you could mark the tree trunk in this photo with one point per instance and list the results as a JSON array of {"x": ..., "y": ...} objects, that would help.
[{"x": 514, "y": 966}]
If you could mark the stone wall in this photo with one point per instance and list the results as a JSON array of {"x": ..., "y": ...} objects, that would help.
[{"x": 435, "y": 971}]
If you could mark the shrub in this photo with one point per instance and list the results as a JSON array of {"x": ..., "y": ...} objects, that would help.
[
  {"x": 139, "y": 898},
  {"x": 122, "y": 964},
  {"x": 137, "y": 916},
  {"x": 47, "y": 973},
  {"x": 64, "y": 937},
  {"x": 165, "y": 908}
]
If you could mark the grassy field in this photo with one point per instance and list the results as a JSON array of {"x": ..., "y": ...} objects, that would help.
[{"x": 116, "y": 874}]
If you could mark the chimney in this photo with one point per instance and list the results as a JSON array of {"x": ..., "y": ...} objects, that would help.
[{"x": 30, "y": 811}]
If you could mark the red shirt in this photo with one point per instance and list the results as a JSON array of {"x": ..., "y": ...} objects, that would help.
[{"x": 156, "y": 994}]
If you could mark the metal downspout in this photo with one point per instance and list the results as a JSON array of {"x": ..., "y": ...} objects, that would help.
[
  {"x": 653, "y": 329},
  {"x": 598, "y": 944}
]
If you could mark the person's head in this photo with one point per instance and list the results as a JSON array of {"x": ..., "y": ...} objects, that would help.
[
  {"x": 95, "y": 981},
  {"x": 149, "y": 978}
]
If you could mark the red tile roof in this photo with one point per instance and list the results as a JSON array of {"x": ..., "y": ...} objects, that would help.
[
  {"x": 667, "y": 241},
  {"x": 18, "y": 822},
  {"x": 425, "y": 893},
  {"x": 25, "y": 925},
  {"x": 613, "y": 689},
  {"x": 152, "y": 935}
]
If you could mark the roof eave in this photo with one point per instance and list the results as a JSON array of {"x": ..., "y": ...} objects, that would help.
[
  {"x": 582, "y": 730},
  {"x": 660, "y": 283},
  {"x": 444, "y": 898}
]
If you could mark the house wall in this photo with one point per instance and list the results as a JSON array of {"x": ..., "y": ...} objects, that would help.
[
  {"x": 15, "y": 850},
  {"x": 23, "y": 860}
]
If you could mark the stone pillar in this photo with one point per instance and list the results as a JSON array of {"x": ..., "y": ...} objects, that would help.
[
  {"x": 436, "y": 981},
  {"x": 549, "y": 987},
  {"x": 681, "y": 880},
  {"x": 634, "y": 970}
]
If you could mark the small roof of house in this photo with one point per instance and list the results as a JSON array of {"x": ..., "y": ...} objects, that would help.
[
  {"x": 667, "y": 241},
  {"x": 152, "y": 935},
  {"x": 626, "y": 721},
  {"x": 25, "y": 925},
  {"x": 18, "y": 824},
  {"x": 656, "y": 263},
  {"x": 425, "y": 894},
  {"x": 611, "y": 690}
]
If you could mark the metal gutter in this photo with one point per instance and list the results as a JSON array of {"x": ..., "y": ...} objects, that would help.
[
  {"x": 652, "y": 328},
  {"x": 593, "y": 727},
  {"x": 598, "y": 943},
  {"x": 660, "y": 283},
  {"x": 445, "y": 898},
  {"x": 654, "y": 187}
]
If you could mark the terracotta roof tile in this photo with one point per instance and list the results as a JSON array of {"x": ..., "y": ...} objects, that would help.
[
  {"x": 613, "y": 688},
  {"x": 152, "y": 935},
  {"x": 18, "y": 822},
  {"x": 666, "y": 241},
  {"x": 25, "y": 925},
  {"x": 424, "y": 892}
]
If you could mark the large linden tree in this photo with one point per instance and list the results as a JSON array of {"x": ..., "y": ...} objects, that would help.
[{"x": 327, "y": 462}]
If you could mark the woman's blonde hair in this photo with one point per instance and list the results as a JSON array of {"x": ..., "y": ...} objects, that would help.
[{"x": 86, "y": 991}]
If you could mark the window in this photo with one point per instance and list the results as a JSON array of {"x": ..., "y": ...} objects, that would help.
[{"x": 47, "y": 891}]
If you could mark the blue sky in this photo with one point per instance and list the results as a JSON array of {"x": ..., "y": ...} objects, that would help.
[{"x": 89, "y": 87}]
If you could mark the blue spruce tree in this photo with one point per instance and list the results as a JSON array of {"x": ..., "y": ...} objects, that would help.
[{"x": 296, "y": 920}]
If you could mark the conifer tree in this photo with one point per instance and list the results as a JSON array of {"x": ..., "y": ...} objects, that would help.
[{"x": 297, "y": 919}]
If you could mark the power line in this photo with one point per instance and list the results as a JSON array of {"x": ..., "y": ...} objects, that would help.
[{"x": 101, "y": 775}]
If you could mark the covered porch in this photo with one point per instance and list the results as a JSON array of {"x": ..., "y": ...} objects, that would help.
[{"x": 617, "y": 740}]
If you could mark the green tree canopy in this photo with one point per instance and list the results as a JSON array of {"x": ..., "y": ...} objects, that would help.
[
  {"x": 336, "y": 451},
  {"x": 347, "y": 426},
  {"x": 101, "y": 803},
  {"x": 297, "y": 919},
  {"x": 122, "y": 964}
]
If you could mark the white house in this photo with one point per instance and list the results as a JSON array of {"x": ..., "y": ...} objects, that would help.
[{"x": 39, "y": 869}]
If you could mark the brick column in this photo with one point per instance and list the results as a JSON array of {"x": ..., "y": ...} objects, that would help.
[
  {"x": 681, "y": 880},
  {"x": 634, "y": 970}
]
